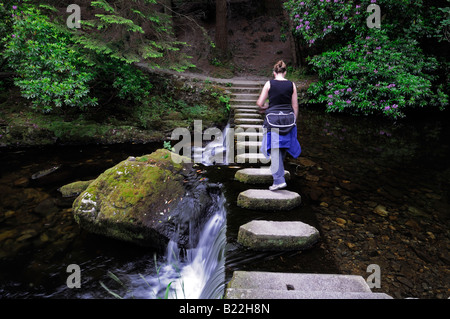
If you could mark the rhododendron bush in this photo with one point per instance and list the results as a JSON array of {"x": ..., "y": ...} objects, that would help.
[{"x": 368, "y": 70}]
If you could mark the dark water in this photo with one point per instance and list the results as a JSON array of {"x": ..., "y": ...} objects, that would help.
[{"x": 39, "y": 238}]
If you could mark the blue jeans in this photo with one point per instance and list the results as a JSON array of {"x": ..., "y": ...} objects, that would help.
[{"x": 276, "y": 165}]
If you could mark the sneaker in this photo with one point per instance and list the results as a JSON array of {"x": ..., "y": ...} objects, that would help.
[{"x": 275, "y": 187}]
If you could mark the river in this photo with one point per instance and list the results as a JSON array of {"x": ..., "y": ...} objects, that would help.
[{"x": 349, "y": 166}]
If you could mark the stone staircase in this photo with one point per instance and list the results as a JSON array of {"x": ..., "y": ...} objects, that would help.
[{"x": 267, "y": 235}]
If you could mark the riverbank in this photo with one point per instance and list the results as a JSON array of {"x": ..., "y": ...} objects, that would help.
[{"x": 175, "y": 103}]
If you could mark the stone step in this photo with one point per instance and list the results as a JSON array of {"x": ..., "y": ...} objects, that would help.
[
  {"x": 247, "y": 145},
  {"x": 255, "y": 127},
  {"x": 244, "y": 121},
  {"x": 252, "y": 158},
  {"x": 245, "y": 96},
  {"x": 248, "y": 136},
  {"x": 243, "y": 115},
  {"x": 248, "y": 110},
  {"x": 248, "y": 89},
  {"x": 247, "y": 106},
  {"x": 243, "y": 100},
  {"x": 272, "y": 285},
  {"x": 257, "y": 175},
  {"x": 271, "y": 235},
  {"x": 248, "y": 84},
  {"x": 262, "y": 199},
  {"x": 259, "y": 294}
]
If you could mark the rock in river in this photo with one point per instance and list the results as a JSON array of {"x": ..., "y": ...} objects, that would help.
[{"x": 145, "y": 201}]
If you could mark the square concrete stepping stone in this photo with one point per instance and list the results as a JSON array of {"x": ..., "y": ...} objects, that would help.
[
  {"x": 259, "y": 294},
  {"x": 271, "y": 235},
  {"x": 273, "y": 285},
  {"x": 257, "y": 175},
  {"x": 262, "y": 199}
]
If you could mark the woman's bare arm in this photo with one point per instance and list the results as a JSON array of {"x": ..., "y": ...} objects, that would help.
[
  {"x": 295, "y": 101},
  {"x": 264, "y": 96}
]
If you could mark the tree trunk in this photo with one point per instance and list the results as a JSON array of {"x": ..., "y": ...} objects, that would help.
[
  {"x": 221, "y": 26},
  {"x": 292, "y": 41}
]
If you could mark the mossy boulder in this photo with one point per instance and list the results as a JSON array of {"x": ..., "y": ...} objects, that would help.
[
  {"x": 144, "y": 200},
  {"x": 74, "y": 189}
]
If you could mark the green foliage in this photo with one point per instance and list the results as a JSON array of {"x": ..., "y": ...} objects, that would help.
[
  {"x": 223, "y": 99},
  {"x": 131, "y": 31},
  {"x": 55, "y": 72},
  {"x": 339, "y": 21},
  {"x": 371, "y": 71},
  {"x": 373, "y": 75},
  {"x": 50, "y": 71}
]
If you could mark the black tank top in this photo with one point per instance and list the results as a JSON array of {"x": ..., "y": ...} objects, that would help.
[{"x": 280, "y": 93}]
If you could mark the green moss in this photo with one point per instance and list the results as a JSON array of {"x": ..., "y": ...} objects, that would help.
[
  {"x": 132, "y": 189},
  {"x": 74, "y": 188}
]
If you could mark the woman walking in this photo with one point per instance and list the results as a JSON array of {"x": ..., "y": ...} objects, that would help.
[{"x": 280, "y": 136}]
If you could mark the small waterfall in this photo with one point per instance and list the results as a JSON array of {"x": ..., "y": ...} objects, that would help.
[
  {"x": 196, "y": 273},
  {"x": 215, "y": 152}
]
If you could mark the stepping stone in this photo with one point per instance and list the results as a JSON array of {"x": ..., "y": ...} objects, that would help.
[
  {"x": 243, "y": 121},
  {"x": 252, "y": 158},
  {"x": 271, "y": 235},
  {"x": 259, "y": 294},
  {"x": 262, "y": 199},
  {"x": 271, "y": 285},
  {"x": 257, "y": 175}
]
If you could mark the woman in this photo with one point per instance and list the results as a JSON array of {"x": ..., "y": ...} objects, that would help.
[{"x": 279, "y": 123}]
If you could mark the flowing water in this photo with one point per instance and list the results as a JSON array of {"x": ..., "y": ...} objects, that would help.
[{"x": 403, "y": 166}]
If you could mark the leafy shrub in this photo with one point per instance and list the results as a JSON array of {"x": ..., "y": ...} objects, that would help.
[
  {"x": 371, "y": 71},
  {"x": 50, "y": 71},
  {"x": 54, "y": 71},
  {"x": 373, "y": 74}
]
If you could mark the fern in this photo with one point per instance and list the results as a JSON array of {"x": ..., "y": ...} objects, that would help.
[{"x": 103, "y": 5}]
